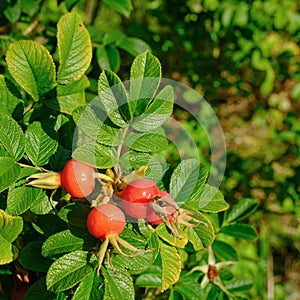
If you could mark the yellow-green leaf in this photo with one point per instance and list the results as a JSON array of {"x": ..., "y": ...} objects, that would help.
[
  {"x": 74, "y": 48},
  {"x": 171, "y": 265},
  {"x": 32, "y": 67},
  {"x": 10, "y": 228}
]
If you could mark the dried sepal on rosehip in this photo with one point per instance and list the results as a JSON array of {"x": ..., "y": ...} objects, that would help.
[
  {"x": 106, "y": 222},
  {"x": 164, "y": 209}
]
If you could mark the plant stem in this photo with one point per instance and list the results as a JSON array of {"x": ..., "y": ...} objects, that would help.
[{"x": 117, "y": 168}]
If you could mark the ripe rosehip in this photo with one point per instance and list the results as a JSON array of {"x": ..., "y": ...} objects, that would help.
[
  {"x": 78, "y": 178},
  {"x": 137, "y": 195},
  {"x": 105, "y": 220}
]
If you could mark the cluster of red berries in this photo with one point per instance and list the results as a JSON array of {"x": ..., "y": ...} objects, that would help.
[{"x": 140, "y": 199}]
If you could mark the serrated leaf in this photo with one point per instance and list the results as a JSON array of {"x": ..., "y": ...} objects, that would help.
[
  {"x": 147, "y": 142},
  {"x": 41, "y": 143},
  {"x": 68, "y": 270},
  {"x": 74, "y": 48},
  {"x": 171, "y": 265},
  {"x": 90, "y": 122},
  {"x": 97, "y": 155},
  {"x": 11, "y": 136},
  {"x": 10, "y": 228},
  {"x": 20, "y": 199},
  {"x": 133, "y": 46},
  {"x": 135, "y": 265},
  {"x": 243, "y": 209},
  {"x": 75, "y": 214},
  {"x": 157, "y": 112},
  {"x": 90, "y": 288},
  {"x": 68, "y": 96},
  {"x": 67, "y": 241},
  {"x": 32, "y": 67},
  {"x": 240, "y": 231},
  {"x": 123, "y": 7},
  {"x": 163, "y": 233},
  {"x": 41, "y": 205},
  {"x": 145, "y": 77},
  {"x": 9, "y": 103},
  {"x": 113, "y": 96},
  {"x": 108, "y": 57},
  {"x": 32, "y": 259},
  {"x": 150, "y": 278},
  {"x": 118, "y": 284},
  {"x": 187, "y": 180},
  {"x": 38, "y": 291},
  {"x": 212, "y": 200},
  {"x": 205, "y": 232},
  {"x": 9, "y": 172},
  {"x": 225, "y": 251}
]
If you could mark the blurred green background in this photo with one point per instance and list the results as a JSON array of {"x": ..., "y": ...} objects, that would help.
[{"x": 243, "y": 57}]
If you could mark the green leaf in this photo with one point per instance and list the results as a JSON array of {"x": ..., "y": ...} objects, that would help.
[
  {"x": 68, "y": 270},
  {"x": 13, "y": 12},
  {"x": 10, "y": 228},
  {"x": 133, "y": 46},
  {"x": 187, "y": 180},
  {"x": 203, "y": 234},
  {"x": 22, "y": 198},
  {"x": 225, "y": 251},
  {"x": 75, "y": 214},
  {"x": 155, "y": 141},
  {"x": 108, "y": 57},
  {"x": 38, "y": 291},
  {"x": 239, "y": 285},
  {"x": 11, "y": 136},
  {"x": 132, "y": 160},
  {"x": 32, "y": 67},
  {"x": 113, "y": 96},
  {"x": 74, "y": 48},
  {"x": 145, "y": 77},
  {"x": 189, "y": 287},
  {"x": 138, "y": 264},
  {"x": 171, "y": 265},
  {"x": 150, "y": 278},
  {"x": 123, "y": 7},
  {"x": 162, "y": 231},
  {"x": 157, "y": 112},
  {"x": 97, "y": 155},
  {"x": 90, "y": 122},
  {"x": 243, "y": 209},
  {"x": 240, "y": 231},
  {"x": 118, "y": 284},
  {"x": 69, "y": 96},
  {"x": 9, "y": 103},
  {"x": 41, "y": 143},
  {"x": 90, "y": 288},
  {"x": 32, "y": 259},
  {"x": 41, "y": 205},
  {"x": 67, "y": 241},
  {"x": 9, "y": 172},
  {"x": 212, "y": 200}
]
